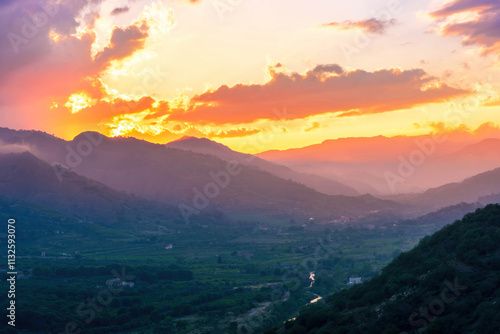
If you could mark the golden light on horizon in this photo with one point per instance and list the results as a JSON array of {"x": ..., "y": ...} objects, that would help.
[
  {"x": 78, "y": 101},
  {"x": 125, "y": 124}
]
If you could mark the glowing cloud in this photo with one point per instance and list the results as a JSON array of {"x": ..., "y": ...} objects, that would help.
[
  {"x": 370, "y": 25},
  {"x": 78, "y": 101},
  {"x": 325, "y": 89}
]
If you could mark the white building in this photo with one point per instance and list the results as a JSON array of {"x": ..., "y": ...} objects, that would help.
[{"x": 354, "y": 280}]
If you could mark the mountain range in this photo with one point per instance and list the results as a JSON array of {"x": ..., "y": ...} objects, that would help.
[
  {"x": 99, "y": 185},
  {"x": 184, "y": 178},
  {"x": 24, "y": 177},
  {"x": 206, "y": 146},
  {"x": 422, "y": 162},
  {"x": 192, "y": 175},
  {"x": 478, "y": 188}
]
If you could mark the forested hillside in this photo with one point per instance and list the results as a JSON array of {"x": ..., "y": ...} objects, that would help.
[{"x": 449, "y": 283}]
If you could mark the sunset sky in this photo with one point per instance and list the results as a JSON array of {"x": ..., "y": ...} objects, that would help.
[{"x": 252, "y": 74}]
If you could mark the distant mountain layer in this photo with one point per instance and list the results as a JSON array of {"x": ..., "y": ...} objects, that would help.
[
  {"x": 495, "y": 198},
  {"x": 420, "y": 162},
  {"x": 195, "y": 181},
  {"x": 445, "y": 215},
  {"x": 449, "y": 283},
  {"x": 488, "y": 148},
  {"x": 27, "y": 178},
  {"x": 206, "y": 146},
  {"x": 473, "y": 189}
]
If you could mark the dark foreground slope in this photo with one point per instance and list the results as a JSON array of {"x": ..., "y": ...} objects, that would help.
[{"x": 449, "y": 283}]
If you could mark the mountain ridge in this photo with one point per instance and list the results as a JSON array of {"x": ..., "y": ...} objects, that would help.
[
  {"x": 207, "y": 146},
  {"x": 25, "y": 177},
  {"x": 446, "y": 158},
  {"x": 448, "y": 283},
  {"x": 176, "y": 177}
]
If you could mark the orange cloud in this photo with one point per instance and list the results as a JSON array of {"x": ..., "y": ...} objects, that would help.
[
  {"x": 60, "y": 75},
  {"x": 488, "y": 129},
  {"x": 373, "y": 25},
  {"x": 325, "y": 89},
  {"x": 119, "y": 10},
  {"x": 482, "y": 28},
  {"x": 107, "y": 110},
  {"x": 124, "y": 42},
  {"x": 462, "y": 132},
  {"x": 68, "y": 66}
]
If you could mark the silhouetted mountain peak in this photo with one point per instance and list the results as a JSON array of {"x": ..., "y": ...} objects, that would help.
[
  {"x": 184, "y": 138},
  {"x": 207, "y": 146},
  {"x": 15, "y": 136},
  {"x": 193, "y": 143},
  {"x": 87, "y": 134}
]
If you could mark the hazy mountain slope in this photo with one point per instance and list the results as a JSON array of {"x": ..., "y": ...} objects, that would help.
[
  {"x": 441, "y": 159},
  {"x": 41, "y": 144},
  {"x": 27, "y": 178},
  {"x": 495, "y": 198},
  {"x": 178, "y": 177},
  {"x": 486, "y": 149},
  {"x": 449, "y": 283},
  {"x": 206, "y": 146},
  {"x": 445, "y": 215},
  {"x": 469, "y": 190}
]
